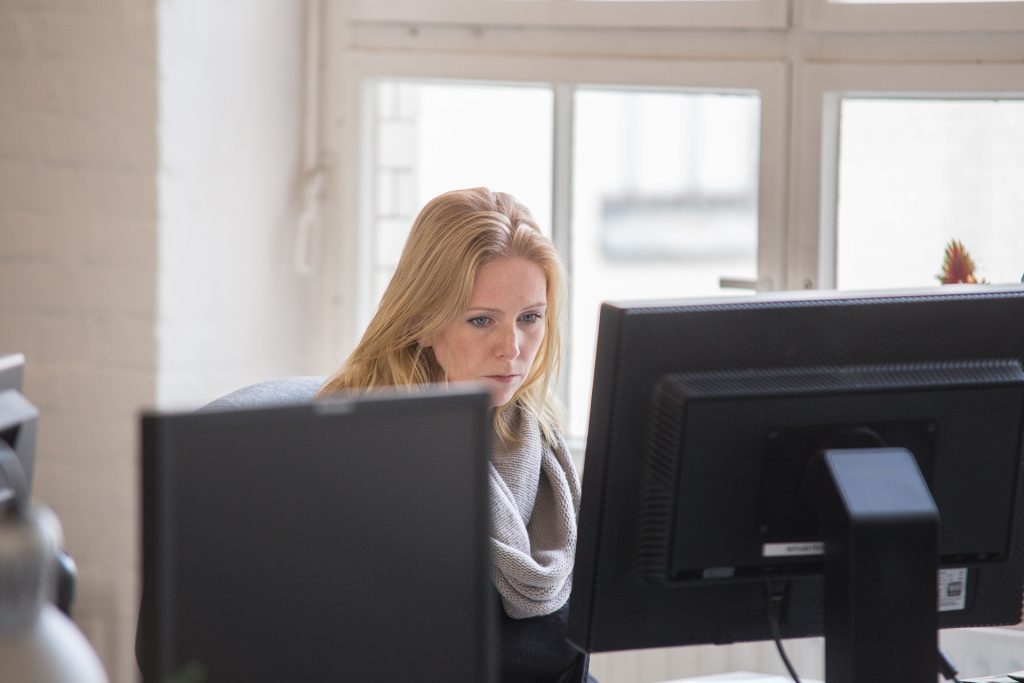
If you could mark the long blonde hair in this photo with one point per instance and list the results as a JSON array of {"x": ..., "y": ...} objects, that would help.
[{"x": 452, "y": 237}]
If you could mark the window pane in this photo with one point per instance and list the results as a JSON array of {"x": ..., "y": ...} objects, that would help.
[
  {"x": 665, "y": 204},
  {"x": 915, "y": 174},
  {"x": 435, "y": 137}
]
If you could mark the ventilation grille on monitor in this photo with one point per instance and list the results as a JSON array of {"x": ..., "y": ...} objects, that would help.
[{"x": 673, "y": 394}]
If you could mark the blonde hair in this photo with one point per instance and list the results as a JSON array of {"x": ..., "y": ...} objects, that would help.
[{"x": 453, "y": 236}]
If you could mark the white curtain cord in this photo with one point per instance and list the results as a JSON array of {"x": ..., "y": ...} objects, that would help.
[
  {"x": 306, "y": 251},
  {"x": 305, "y": 257}
]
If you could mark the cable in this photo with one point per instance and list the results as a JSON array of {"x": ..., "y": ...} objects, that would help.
[
  {"x": 775, "y": 597},
  {"x": 946, "y": 668}
]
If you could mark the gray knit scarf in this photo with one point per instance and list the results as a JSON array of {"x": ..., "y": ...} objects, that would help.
[{"x": 535, "y": 499}]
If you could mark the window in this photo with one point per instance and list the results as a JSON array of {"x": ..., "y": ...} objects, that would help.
[
  {"x": 954, "y": 170},
  {"x": 894, "y": 168},
  {"x": 664, "y": 205},
  {"x": 430, "y": 137}
]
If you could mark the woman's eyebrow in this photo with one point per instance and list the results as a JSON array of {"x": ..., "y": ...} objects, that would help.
[{"x": 485, "y": 309}]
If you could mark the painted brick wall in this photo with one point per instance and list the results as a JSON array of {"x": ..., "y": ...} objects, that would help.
[{"x": 78, "y": 259}]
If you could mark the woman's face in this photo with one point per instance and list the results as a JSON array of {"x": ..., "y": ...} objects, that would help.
[{"x": 496, "y": 338}]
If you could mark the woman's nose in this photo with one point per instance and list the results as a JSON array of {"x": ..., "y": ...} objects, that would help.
[{"x": 508, "y": 343}]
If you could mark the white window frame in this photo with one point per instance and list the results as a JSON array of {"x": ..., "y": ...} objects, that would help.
[
  {"x": 827, "y": 16},
  {"x": 438, "y": 39},
  {"x": 614, "y": 13},
  {"x": 814, "y": 187}
]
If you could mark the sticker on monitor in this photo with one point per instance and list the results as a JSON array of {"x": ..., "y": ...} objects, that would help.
[
  {"x": 952, "y": 589},
  {"x": 797, "y": 549}
]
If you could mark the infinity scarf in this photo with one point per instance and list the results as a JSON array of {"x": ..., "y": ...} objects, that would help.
[{"x": 534, "y": 501}]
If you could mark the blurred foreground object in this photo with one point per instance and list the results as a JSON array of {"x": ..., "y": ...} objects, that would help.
[{"x": 38, "y": 642}]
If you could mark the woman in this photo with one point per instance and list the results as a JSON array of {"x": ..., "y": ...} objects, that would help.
[{"x": 478, "y": 295}]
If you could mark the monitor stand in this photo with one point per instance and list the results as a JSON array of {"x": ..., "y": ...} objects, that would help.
[{"x": 880, "y": 526}]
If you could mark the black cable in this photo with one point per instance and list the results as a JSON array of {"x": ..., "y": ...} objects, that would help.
[
  {"x": 946, "y": 668},
  {"x": 775, "y": 597}
]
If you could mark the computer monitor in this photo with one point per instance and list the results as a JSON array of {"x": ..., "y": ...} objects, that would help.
[
  {"x": 837, "y": 460},
  {"x": 18, "y": 424},
  {"x": 343, "y": 539}
]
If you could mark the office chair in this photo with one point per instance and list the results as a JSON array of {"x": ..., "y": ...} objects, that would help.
[{"x": 281, "y": 391}]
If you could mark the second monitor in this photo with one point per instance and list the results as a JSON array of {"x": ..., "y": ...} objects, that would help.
[{"x": 846, "y": 465}]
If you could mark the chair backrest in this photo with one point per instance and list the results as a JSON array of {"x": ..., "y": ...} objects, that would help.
[{"x": 274, "y": 392}]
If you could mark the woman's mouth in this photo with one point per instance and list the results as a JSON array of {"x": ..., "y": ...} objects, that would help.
[{"x": 503, "y": 379}]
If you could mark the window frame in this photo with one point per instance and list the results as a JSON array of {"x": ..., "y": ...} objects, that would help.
[
  {"x": 802, "y": 55},
  {"x": 835, "y": 17},
  {"x": 579, "y": 13}
]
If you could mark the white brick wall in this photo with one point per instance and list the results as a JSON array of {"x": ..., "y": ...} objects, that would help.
[{"x": 78, "y": 251}]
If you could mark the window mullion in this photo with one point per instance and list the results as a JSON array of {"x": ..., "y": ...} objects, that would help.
[{"x": 561, "y": 199}]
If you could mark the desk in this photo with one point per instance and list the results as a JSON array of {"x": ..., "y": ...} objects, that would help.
[{"x": 740, "y": 677}]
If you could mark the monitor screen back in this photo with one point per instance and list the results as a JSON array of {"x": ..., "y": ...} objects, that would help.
[{"x": 339, "y": 540}]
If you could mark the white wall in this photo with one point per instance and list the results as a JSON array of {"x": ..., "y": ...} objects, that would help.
[
  {"x": 230, "y": 130},
  {"x": 78, "y": 253}
]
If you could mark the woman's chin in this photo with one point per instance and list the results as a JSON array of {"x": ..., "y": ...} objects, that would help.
[{"x": 501, "y": 395}]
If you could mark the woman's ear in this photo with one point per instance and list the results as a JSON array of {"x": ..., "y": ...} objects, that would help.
[{"x": 425, "y": 342}]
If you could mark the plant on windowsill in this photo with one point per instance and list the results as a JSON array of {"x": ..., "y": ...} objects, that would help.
[{"x": 958, "y": 266}]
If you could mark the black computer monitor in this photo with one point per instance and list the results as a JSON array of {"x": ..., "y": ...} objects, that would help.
[
  {"x": 837, "y": 460},
  {"x": 344, "y": 539},
  {"x": 18, "y": 424}
]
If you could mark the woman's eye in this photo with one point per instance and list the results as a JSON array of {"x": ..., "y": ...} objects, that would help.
[
  {"x": 530, "y": 317},
  {"x": 479, "y": 322}
]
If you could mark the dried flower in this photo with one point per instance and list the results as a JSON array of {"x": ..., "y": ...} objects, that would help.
[{"x": 958, "y": 266}]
